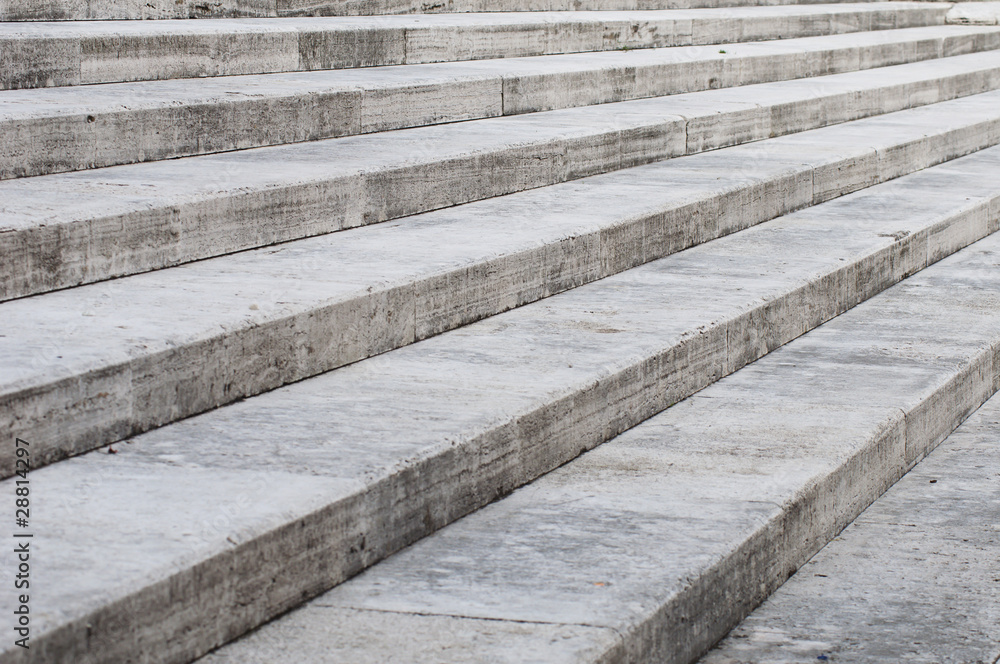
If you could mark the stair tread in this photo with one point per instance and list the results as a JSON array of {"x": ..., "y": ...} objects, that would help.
[
  {"x": 378, "y": 330},
  {"x": 660, "y": 538},
  {"x": 134, "y": 342},
  {"x": 81, "y": 127},
  {"x": 917, "y": 567},
  {"x": 429, "y": 21},
  {"x": 81, "y": 10},
  {"x": 443, "y": 425},
  {"x": 71, "y": 228},
  {"x": 75, "y": 53}
]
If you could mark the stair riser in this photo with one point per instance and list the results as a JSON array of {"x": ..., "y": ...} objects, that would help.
[
  {"x": 82, "y": 412},
  {"x": 61, "y": 143},
  {"x": 948, "y": 504},
  {"x": 323, "y": 548},
  {"x": 43, "y": 60},
  {"x": 707, "y": 599},
  {"x": 767, "y": 489},
  {"x": 82, "y": 10},
  {"x": 742, "y": 581},
  {"x": 85, "y": 10},
  {"x": 738, "y": 584},
  {"x": 172, "y": 230}
]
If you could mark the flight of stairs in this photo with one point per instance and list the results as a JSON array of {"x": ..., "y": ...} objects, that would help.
[
  {"x": 915, "y": 577},
  {"x": 616, "y": 311}
]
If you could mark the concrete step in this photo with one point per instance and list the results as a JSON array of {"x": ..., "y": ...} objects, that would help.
[
  {"x": 649, "y": 547},
  {"x": 974, "y": 13},
  {"x": 83, "y": 10},
  {"x": 78, "y": 127},
  {"x": 91, "y": 365},
  {"x": 67, "y": 229},
  {"x": 916, "y": 577},
  {"x": 77, "y": 53},
  {"x": 197, "y": 532}
]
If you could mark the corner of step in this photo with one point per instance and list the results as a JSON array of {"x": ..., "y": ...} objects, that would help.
[{"x": 974, "y": 13}]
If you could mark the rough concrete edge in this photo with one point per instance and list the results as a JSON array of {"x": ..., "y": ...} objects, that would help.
[
  {"x": 115, "y": 428},
  {"x": 974, "y": 13},
  {"x": 737, "y": 585},
  {"x": 82, "y": 141},
  {"x": 115, "y": 615},
  {"x": 82, "y": 10},
  {"x": 818, "y": 513},
  {"x": 41, "y": 60}
]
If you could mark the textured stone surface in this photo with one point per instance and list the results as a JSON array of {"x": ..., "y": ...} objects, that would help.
[
  {"x": 166, "y": 349},
  {"x": 915, "y": 578},
  {"x": 302, "y": 487},
  {"x": 56, "y": 10},
  {"x": 74, "y": 53},
  {"x": 672, "y": 531},
  {"x": 67, "y": 229},
  {"x": 979, "y": 13},
  {"x": 77, "y": 127},
  {"x": 517, "y": 310}
]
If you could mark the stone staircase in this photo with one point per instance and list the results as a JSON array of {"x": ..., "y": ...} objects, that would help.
[
  {"x": 617, "y": 317},
  {"x": 915, "y": 576}
]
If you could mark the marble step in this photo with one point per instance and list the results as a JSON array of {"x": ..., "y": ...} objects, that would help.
[
  {"x": 650, "y": 547},
  {"x": 197, "y": 532},
  {"x": 61, "y": 129},
  {"x": 916, "y": 576},
  {"x": 78, "y": 53},
  {"x": 85, "y": 10},
  {"x": 95, "y": 364},
  {"x": 68, "y": 229}
]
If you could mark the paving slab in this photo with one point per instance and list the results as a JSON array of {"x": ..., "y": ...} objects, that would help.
[
  {"x": 916, "y": 577},
  {"x": 196, "y": 532},
  {"x": 88, "y": 366},
  {"x": 81, "y": 52},
  {"x": 54, "y": 130},
  {"x": 83, "y": 10},
  {"x": 67, "y": 229},
  {"x": 675, "y": 529}
]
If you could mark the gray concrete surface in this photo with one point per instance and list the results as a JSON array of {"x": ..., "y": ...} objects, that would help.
[
  {"x": 170, "y": 543},
  {"x": 75, "y": 53},
  {"x": 79, "y": 10},
  {"x": 977, "y": 13},
  {"x": 71, "y": 128},
  {"x": 302, "y": 487},
  {"x": 89, "y": 366},
  {"x": 672, "y": 531},
  {"x": 915, "y": 578},
  {"x": 67, "y": 229}
]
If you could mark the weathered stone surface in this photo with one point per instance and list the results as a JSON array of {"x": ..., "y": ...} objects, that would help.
[
  {"x": 916, "y": 577},
  {"x": 80, "y": 10},
  {"x": 978, "y": 13},
  {"x": 676, "y": 528},
  {"x": 150, "y": 354},
  {"x": 78, "y": 127},
  {"x": 67, "y": 229},
  {"x": 302, "y": 487},
  {"x": 74, "y": 53},
  {"x": 519, "y": 309}
]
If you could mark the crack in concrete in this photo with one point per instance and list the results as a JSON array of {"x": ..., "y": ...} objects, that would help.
[{"x": 432, "y": 614}]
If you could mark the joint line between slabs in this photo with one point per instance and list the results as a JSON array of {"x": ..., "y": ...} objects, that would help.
[{"x": 429, "y": 614}]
